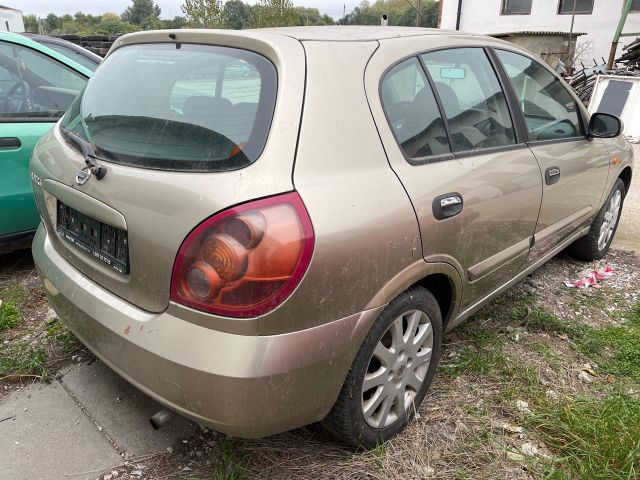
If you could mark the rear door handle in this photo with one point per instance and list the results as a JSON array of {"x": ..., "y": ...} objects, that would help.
[
  {"x": 10, "y": 142},
  {"x": 552, "y": 175},
  {"x": 447, "y": 205}
]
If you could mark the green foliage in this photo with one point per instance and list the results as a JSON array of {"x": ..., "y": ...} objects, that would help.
[
  {"x": 22, "y": 359},
  {"x": 596, "y": 438},
  {"x": 229, "y": 462},
  {"x": 275, "y": 13},
  {"x": 237, "y": 15},
  {"x": 617, "y": 348},
  {"x": 203, "y": 13},
  {"x": 399, "y": 13},
  {"x": 62, "y": 335},
  {"x": 142, "y": 13},
  {"x": 312, "y": 16},
  {"x": 480, "y": 356},
  {"x": 9, "y": 315}
]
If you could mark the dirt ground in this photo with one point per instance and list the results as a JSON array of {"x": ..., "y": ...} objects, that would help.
[{"x": 521, "y": 355}]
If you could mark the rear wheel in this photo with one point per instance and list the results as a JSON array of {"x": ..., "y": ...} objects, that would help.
[
  {"x": 596, "y": 243},
  {"x": 391, "y": 372}
]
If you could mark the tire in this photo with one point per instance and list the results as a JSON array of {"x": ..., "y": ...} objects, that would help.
[
  {"x": 595, "y": 244},
  {"x": 407, "y": 374}
]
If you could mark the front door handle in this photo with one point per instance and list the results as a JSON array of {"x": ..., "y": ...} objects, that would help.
[
  {"x": 13, "y": 142},
  {"x": 447, "y": 205},
  {"x": 552, "y": 175}
]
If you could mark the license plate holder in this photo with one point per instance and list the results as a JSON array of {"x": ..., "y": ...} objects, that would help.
[{"x": 104, "y": 242}]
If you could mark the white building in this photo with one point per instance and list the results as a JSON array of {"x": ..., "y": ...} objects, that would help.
[
  {"x": 11, "y": 20},
  {"x": 597, "y": 18}
]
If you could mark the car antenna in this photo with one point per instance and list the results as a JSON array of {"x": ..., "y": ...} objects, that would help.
[{"x": 172, "y": 36}]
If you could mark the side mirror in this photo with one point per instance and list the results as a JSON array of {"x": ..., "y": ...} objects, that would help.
[{"x": 604, "y": 125}]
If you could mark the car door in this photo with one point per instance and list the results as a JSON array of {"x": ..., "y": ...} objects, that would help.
[
  {"x": 474, "y": 184},
  {"x": 35, "y": 90},
  {"x": 574, "y": 168}
]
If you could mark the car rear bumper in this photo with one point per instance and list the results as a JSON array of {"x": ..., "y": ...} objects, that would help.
[{"x": 246, "y": 386}]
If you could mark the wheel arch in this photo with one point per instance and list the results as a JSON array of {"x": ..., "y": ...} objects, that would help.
[
  {"x": 625, "y": 176},
  {"x": 441, "y": 279}
]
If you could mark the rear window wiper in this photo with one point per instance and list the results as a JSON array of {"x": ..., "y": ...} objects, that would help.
[{"x": 88, "y": 152}]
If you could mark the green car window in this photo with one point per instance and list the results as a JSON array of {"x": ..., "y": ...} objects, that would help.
[{"x": 35, "y": 85}]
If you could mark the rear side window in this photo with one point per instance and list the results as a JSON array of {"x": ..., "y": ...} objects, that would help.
[
  {"x": 549, "y": 110},
  {"x": 412, "y": 111},
  {"x": 473, "y": 101},
  {"x": 193, "y": 108}
]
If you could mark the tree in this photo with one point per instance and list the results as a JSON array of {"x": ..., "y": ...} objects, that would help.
[
  {"x": 275, "y": 13},
  {"x": 398, "y": 12},
  {"x": 203, "y": 13},
  {"x": 30, "y": 23},
  {"x": 142, "y": 13},
  {"x": 237, "y": 15},
  {"x": 311, "y": 16}
]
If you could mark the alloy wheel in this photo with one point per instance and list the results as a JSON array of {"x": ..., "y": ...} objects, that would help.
[
  {"x": 397, "y": 369},
  {"x": 610, "y": 220}
]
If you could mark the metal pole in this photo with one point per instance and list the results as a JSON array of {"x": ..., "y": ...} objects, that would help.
[
  {"x": 459, "y": 14},
  {"x": 418, "y": 13},
  {"x": 616, "y": 36},
  {"x": 573, "y": 19}
]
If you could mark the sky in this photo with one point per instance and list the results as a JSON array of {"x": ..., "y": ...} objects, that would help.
[{"x": 170, "y": 8}]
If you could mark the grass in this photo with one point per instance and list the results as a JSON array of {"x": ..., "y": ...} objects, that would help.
[
  {"x": 592, "y": 438},
  {"x": 616, "y": 348},
  {"x": 229, "y": 463},
  {"x": 9, "y": 315},
  {"x": 13, "y": 293},
  {"x": 62, "y": 335},
  {"x": 22, "y": 359},
  {"x": 482, "y": 356},
  {"x": 10, "y": 298}
]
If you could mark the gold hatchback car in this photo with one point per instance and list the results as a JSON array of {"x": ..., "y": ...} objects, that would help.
[{"x": 269, "y": 228}]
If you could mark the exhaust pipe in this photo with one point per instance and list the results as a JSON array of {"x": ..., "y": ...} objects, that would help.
[{"x": 160, "y": 418}]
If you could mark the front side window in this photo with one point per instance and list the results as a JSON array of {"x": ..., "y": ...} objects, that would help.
[
  {"x": 193, "y": 108},
  {"x": 34, "y": 85},
  {"x": 582, "y": 7},
  {"x": 635, "y": 6},
  {"x": 516, "y": 7},
  {"x": 412, "y": 111},
  {"x": 473, "y": 101},
  {"x": 549, "y": 110}
]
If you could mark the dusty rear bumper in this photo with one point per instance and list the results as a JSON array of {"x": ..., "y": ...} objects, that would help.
[{"x": 247, "y": 386}]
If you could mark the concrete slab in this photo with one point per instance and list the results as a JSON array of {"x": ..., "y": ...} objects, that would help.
[
  {"x": 123, "y": 411},
  {"x": 50, "y": 437},
  {"x": 628, "y": 233}
]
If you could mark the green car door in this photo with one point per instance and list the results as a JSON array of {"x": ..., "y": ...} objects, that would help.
[{"x": 37, "y": 85}]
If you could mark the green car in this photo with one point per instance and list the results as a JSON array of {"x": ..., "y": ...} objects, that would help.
[{"x": 37, "y": 85}]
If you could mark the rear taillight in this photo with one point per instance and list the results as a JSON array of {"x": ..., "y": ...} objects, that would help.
[{"x": 247, "y": 260}]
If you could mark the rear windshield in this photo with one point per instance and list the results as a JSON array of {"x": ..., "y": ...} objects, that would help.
[{"x": 177, "y": 107}]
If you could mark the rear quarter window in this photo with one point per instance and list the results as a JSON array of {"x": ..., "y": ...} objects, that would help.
[{"x": 192, "y": 108}]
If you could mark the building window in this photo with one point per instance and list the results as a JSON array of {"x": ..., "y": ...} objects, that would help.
[
  {"x": 583, "y": 7},
  {"x": 516, "y": 7},
  {"x": 635, "y": 6}
]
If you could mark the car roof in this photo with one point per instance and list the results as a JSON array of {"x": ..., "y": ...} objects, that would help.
[
  {"x": 355, "y": 33},
  {"x": 27, "y": 42},
  {"x": 65, "y": 43}
]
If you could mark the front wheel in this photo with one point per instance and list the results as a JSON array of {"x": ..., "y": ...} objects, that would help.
[
  {"x": 391, "y": 372},
  {"x": 595, "y": 244}
]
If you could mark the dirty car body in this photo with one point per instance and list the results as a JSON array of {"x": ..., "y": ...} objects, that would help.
[{"x": 299, "y": 263}]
